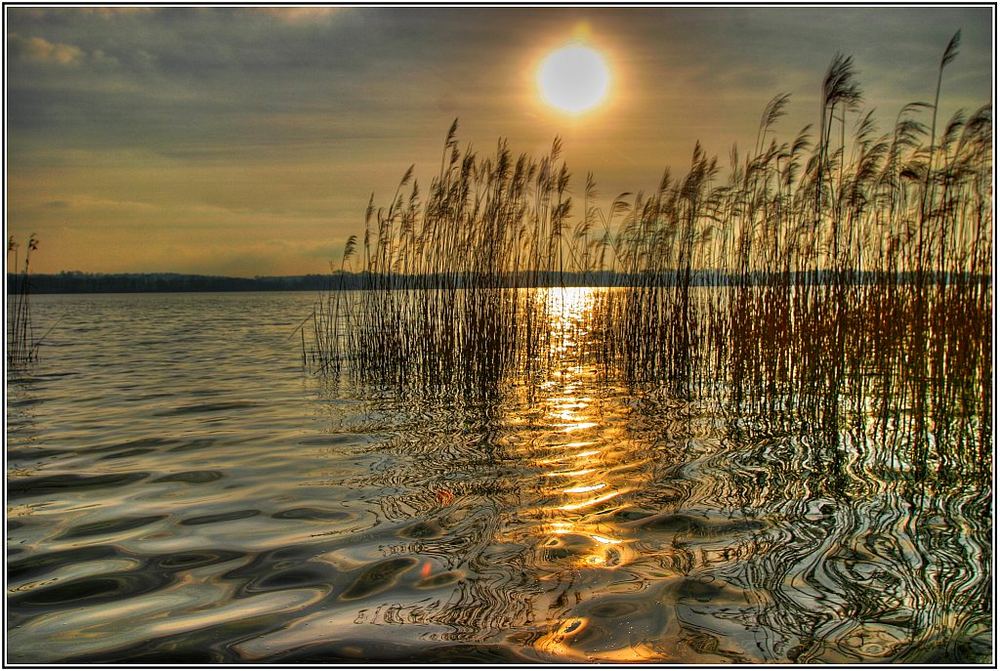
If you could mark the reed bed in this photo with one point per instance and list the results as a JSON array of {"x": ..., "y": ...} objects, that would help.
[
  {"x": 838, "y": 277},
  {"x": 450, "y": 298},
  {"x": 22, "y": 347}
]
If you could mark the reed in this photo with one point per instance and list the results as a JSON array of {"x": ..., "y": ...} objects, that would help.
[
  {"x": 823, "y": 283},
  {"x": 22, "y": 347}
]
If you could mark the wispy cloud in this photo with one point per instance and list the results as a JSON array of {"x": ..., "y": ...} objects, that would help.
[
  {"x": 298, "y": 15},
  {"x": 40, "y": 50}
]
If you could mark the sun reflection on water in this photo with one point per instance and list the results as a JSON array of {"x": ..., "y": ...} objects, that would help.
[
  {"x": 590, "y": 469},
  {"x": 586, "y": 462}
]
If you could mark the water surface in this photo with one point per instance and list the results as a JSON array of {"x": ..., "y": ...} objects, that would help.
[{"x": 180, "y": 489}]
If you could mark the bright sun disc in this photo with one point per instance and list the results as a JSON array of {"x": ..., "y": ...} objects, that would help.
[{"x": 573, "y": 79}]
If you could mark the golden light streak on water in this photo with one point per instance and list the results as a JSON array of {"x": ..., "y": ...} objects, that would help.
[
  {"x": 567, "y": 474},
  {"x": 593, "y": 502},
  {"x": 559, "y": 644},
  {"x": 577, "y": 426},
  {"x": 585, "y": 488}
]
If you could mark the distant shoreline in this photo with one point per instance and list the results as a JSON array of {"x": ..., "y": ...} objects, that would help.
[
  {"x": 129, "y": 283},
  {"x": 102, "y": 283}
]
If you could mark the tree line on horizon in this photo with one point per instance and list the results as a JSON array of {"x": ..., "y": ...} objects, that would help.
[{"x": 75, "y": 282}]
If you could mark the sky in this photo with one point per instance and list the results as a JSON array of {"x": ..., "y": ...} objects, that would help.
[{"x": 247, "y": 141}]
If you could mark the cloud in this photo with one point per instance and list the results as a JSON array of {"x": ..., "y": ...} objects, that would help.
[
  {"x": 109, "y": 12},
  {"x": 44, "y": 13},
  {"x": 298, "y": 15},
  {"x": 40, "y": 50}
]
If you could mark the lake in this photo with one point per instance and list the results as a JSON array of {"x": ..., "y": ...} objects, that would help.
[{"x": 180, "y": 488}]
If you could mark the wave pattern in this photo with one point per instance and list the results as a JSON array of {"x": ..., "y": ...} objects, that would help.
[{"x": 178, "y": 491}]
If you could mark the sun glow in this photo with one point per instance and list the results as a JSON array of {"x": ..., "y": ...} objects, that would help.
[{"x": 574, "y": 79}]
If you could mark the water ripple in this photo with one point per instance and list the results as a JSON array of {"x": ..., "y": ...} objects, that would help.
[{"x": 201, "y": 500}]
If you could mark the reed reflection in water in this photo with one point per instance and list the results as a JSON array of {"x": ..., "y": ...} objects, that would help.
[{"x": 215, "y": 509}]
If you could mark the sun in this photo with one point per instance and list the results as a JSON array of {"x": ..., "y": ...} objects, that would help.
[{"x": 574, "y": 79}]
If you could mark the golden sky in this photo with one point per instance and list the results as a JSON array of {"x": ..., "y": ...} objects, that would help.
[{"x": 246, "y": 141}]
